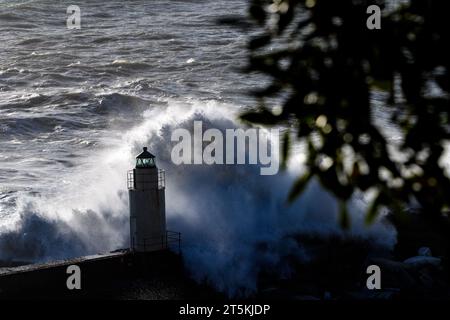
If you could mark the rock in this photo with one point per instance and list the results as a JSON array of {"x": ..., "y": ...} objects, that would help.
[
  {"x": 420, "y": 261},
  {"x": 383, "y": 294},
  {"x": 424, "y": 251},
  {"x": 395, "y": 274},
  {"x": 306, "y": 298},
  {"x": 327, "y": 295},
  {"x": 415, "y": 276},
  {"x": 424, "y": 258}
]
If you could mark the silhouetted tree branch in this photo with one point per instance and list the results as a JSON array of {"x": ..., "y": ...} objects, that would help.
[{"x": 325, "y": 67}]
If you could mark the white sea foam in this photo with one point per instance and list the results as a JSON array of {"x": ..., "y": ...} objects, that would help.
[{"x": 226, "y": 213}]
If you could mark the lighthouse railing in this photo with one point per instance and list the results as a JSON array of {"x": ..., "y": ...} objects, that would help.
[{"x": 171, "y": 240}]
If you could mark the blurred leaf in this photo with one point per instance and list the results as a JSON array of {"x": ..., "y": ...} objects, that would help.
[
  {"x": 382, "y": 85},
  {"x": 258, "y": 13},
  {"x": 344, "y": 219},
  {"x": 259, "y": 41},
  {"x": 373, "y": 211},
  {"x": 299, "y": 186},
  {"x": 235, "y": 21},
  {"x": 260, "y": 117},
  {"x": 286, "y": 149}
]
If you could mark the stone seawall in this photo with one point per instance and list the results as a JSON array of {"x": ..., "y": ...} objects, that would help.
[{"x": 117, "y": 275}]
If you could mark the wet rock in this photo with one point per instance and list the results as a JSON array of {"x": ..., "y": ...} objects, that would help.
[
  {"x": 420, "y": 261},
  {"x": 424, "y": 258},
  {"x": 424, "y": 251},
  {"x": 416, "y": 276}
]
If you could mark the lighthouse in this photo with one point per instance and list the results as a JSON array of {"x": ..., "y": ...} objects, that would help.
[{"x": 146, "y": 188}]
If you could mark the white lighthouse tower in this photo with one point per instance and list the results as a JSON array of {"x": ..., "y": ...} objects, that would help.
[{"x": 146, "y": 185}]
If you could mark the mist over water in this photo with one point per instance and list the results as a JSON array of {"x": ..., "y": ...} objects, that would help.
[{"x": 77, "y": 106}]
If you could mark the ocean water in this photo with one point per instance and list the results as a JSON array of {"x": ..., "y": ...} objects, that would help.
[
  {"x": 65, "y": 94},
  {"x": 76, "y": 106}
]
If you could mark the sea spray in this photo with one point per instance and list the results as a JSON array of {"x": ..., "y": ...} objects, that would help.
[{"x": 235, "y": 223}]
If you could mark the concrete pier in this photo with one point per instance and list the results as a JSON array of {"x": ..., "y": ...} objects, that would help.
[{"x": 117, "y": 275}]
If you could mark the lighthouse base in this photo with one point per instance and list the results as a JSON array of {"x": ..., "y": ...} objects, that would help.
[{"x": 147, "y": 220}]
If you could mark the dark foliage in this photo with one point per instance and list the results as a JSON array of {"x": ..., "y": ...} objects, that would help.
[{"x": 325, "y": 68}]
